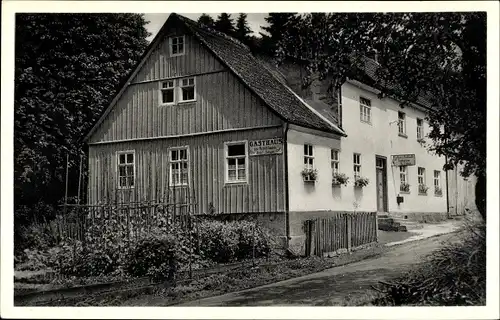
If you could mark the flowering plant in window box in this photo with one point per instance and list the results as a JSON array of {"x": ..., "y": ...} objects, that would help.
[
  {"x": 422, "y": 189},
  {"x": 339, "y": 179},
  {"x": 361, "y": 182},
  {"x": 421, "y": 140},
  {"x": 404, "y": 187},
  {"x": 309, "y": 174},
  {"x": 438, "y": 191}
]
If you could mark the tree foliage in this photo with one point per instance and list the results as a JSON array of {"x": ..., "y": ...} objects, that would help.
[
  {"x": 242, "y": 31},
  {"x": 206, "y": 20},
  {"x": 225, "y": 23},
  {"x": 279, "y": 23},
  {"x": 67, "y": 66},
  {"x": 439, "y": 56}
]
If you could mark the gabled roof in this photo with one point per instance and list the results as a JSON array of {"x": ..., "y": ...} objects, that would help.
[{"x": 257, "y": 78}]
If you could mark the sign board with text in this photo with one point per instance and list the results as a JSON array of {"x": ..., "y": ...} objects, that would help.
[
  {"x": 403, "y": 160},
  {"x": 265, "y": 146}
]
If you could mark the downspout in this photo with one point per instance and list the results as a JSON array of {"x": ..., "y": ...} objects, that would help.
[{"x": 285, "y": 159}]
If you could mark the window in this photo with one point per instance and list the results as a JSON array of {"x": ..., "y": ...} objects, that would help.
[
  {"x": 357, "y": 165},
  {"x": 126, "y": 169},
  {"x": 437, "y": 183},
  {"x": 420, "y": 129},
  {"x": 167, "y": 92},
  {"x": 179, "y": 166},
  {"x": 308, "y": 156},
  {"x": 187, "y": 90},
  {"x": 403, "y": 179},
  {"x": 421, "y": 176},
  {"x": 402, "y": 123},
  {"x": 236, "y": 162},
  {"x": 365, "y": 110},
  {"x": 177, "y": 46},
  {"x": 335, "y": 160}
]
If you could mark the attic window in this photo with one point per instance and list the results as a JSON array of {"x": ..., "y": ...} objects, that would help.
[
  {"x": 167, "y": 92},
  {"x": 187, "y": 90},
  {"x": 177, "y": 46}
]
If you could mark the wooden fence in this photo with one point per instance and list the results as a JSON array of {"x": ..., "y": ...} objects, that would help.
[{"x": 343, "y": 231}]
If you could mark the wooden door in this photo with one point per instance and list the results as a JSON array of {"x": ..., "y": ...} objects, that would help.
[{"x": 381, "y": 174}]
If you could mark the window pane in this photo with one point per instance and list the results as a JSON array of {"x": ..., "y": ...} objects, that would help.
[
  {"x": 184, "y": 177},
  {"x": 174, "y": 155},
  {"x": 181, "y": 48},
  {"x": 121, "y": 171},
  {"x": 182, "y": 154},
  {"x": 130, "y": 158},
  {"x": 122, "y": 158},
  {"x": 241, "y": 174},
  {"x": 231, "y": 162},
  {"x": 231, "y": 175},
  {"x": 130, "y": 181},
  {"x": 306, "y": 150},
  {"x": 236, "y": 150},
  {"x": 130, "y": 170},
  {"x": 167, "y": 96},
  {"x": 123, "y": 182},
  {"x": 188, "y": 93},
  {"x": 175, "y": 40}
]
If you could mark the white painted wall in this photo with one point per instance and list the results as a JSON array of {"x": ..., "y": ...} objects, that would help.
[{"x": 378, "y": 138}]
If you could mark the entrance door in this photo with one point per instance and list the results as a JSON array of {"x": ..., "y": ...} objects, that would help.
[{"x": 381, "y": 170}]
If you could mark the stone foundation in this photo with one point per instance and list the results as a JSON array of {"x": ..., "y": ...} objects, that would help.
[{"x": 422, "y": 217}]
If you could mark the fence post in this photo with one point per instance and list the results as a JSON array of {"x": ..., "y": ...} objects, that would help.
[
  {"x": 349, "y": 231},
  {"x": 376, "y": 227},
  {"x": 253, "y": 245}
]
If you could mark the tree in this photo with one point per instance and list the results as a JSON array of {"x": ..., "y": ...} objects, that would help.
[
  {"x": 206, "y": 20},
  {"x": 243, "y": 31},
  {"x": 278, "y": 25},
  {"x": 225, "y": 24},
  {"x": 440, "y": 56},
  {"x": 67, "y": 66}
]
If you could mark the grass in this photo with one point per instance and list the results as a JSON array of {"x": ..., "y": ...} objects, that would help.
[{"x": 454, "y": 275}]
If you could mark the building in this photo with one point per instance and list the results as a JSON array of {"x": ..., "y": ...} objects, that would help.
[{"x": 202, "y": 116}]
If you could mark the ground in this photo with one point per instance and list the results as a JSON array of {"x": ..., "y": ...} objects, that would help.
[{"x": 333, "y": 286}]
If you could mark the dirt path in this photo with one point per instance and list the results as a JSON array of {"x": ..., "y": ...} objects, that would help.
[{"x": 332, "y": 286}]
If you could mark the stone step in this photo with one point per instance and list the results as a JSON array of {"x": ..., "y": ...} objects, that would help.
[{"x": 410, "y": 225}]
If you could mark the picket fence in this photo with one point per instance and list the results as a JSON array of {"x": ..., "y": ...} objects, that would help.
[{"x": 344, "y": 231}]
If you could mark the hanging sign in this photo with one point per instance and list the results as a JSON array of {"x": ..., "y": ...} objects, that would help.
[
  {"x": 403, "y": 160},
  {"x": 265, "y": 146}
]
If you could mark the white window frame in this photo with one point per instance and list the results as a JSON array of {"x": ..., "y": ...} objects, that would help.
[
  {"x": 402, "y": 124},
  {"x": 173, "y": 88},
  {"x": 420, "y": 129},
  {"x": 437, "y": 179},
  {"x": 421, "y": 176},
  {"x": 170, "y": 162},
  {"x": 118, "y": 165},
  {"x": 356, "y": 164},
  {"x": 403, "y": 177},
  {"x": 171, "y": 46},
  {"x": 226, "y": 166},
  {"x": 181, "y": 85},
  {"x": 335, "y": 160},
  {"x": 308, "y": 156},
  {"x": 365, "y": 110}
]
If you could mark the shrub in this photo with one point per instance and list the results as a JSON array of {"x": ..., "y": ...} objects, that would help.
[
  {"x": 155, "y": 256},
  {"x": 251, "y": 240},
  {"x": 453, "y": 275},
  {"x": 33, "y": 237},
  {"x": 218, "y": 241}
]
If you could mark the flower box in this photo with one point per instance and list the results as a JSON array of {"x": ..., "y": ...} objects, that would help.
[
  {"x": 422, "y": 189},
  {"x": 309, "y": 175},
  {"x": 438, "y": 191},
  {"x": 339, "y": 179},
  {"x": 361, "y": 182},
  {"x": 404, "y": 187}
]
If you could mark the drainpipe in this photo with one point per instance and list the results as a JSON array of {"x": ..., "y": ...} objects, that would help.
[{"x": 285, "y": 158}]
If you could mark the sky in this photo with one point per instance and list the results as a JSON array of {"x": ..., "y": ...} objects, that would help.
[{"x": 255, "y": 20}]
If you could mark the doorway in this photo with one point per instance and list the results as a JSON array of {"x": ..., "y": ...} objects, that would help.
[{"x": 381, "y": 180}]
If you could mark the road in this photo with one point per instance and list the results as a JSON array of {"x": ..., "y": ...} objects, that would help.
[{"x": 332, "y": 286}]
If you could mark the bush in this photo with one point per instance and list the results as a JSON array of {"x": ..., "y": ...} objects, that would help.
[
  {"x": 454, "y": 275},
  {"x": 249, "y": 234},
  {"x": 230, "y": 241},
  {"x": 37, "y": 237},
  {"x": 218, "y": 241},
  {"x": 155, "y": 256}
]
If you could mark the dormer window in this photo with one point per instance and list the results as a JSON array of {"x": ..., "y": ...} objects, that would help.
[{"x": 177, "y": 47}]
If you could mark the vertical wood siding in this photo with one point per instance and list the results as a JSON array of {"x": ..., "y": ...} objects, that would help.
[
  {"x": 222, "y": 102},
  {"x": 264, "y": 191}
]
